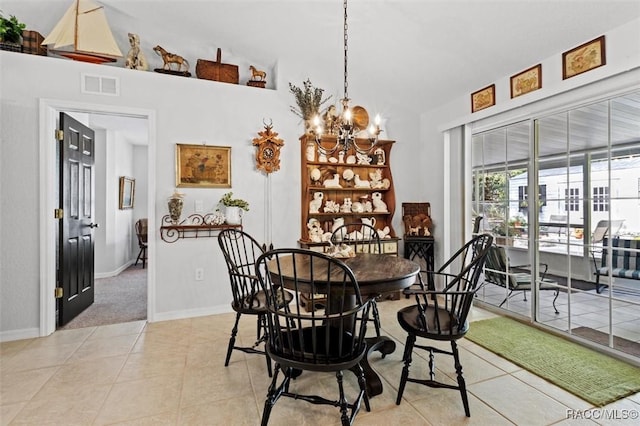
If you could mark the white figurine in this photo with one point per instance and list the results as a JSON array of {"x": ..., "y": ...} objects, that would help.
[
  {"x": 361, "y": 183},
  {"x": 384, "y": 232},
  {"x": 316, "y": 235},
  {"x": 314, "y": 205},
  {"x": 315, "y": 174},
  {"x": 338, "y": 222},
  {"x": 357, "y": 207},
  {"x": 379, "y": 206},
  {"x": 333, "y": 183},
  {"x": 346, "y": 206},
  {"x": 331, "y": 207},
  {"x": 135, "y": 58},
  {"x": 379, "y": 153},
  {"x": 363, "y": 159}
]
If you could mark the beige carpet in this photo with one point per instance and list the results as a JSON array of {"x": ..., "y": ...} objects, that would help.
[{"x": 118, "y": 299}]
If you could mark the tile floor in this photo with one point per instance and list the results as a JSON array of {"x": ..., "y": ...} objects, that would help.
[{"x": 172, "y": 373}]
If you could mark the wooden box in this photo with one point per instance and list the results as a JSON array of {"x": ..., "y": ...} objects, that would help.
[
  {"x": 417, "y": 219},
  {"x": 217, "y": 71},
  {"x": 32, "y": 43},
  {"x": 10, "y": 47},
  {"x": 414, "y": 209}
]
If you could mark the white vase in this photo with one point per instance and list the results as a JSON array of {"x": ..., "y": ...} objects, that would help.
[{"x": 233, "y": 215}]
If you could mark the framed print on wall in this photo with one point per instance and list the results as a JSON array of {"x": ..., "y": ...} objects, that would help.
[
  {"x": 203, "y": 166},
  {"x": 127, "y": 192},
  {"x": 483, "y": 98},
  {"x": 583, "y": 58},
  {"x": 526, "y": 81}
]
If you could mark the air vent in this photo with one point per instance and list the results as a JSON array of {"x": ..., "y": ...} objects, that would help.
[{"x": 100, "y": 85}]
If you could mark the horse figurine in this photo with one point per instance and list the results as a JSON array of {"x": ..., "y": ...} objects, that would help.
[
  {"x": 169, "y": 58},
  {"x": 256, "y": 74}
]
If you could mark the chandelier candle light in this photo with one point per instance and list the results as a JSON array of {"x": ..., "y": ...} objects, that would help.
[{"x": 347, "y": 131}]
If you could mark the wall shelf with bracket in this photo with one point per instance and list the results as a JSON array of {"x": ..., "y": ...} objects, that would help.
[{"x": 194, "y": 226}]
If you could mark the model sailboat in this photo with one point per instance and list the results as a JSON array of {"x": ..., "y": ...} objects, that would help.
[{"x": 84, "y": 27}]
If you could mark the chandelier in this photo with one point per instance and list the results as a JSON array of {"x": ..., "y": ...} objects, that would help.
[{"x": 347, "y": 130}]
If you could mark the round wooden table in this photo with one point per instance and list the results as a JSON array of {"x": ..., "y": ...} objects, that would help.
[{"x": 376, "y": 274}]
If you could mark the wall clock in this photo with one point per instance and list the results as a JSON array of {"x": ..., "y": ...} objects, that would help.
[{"x": 268, "y": 150}]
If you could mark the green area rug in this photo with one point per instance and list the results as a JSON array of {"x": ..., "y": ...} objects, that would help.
[{"x": 588, "y": 374}]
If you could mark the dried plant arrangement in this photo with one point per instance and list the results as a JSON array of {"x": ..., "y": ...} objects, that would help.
[{"x": 308, "y": 99}]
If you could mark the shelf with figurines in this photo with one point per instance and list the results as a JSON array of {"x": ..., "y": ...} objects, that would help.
[{"x": 345, "y": 186}]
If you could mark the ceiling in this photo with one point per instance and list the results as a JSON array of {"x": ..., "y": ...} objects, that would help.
[{"x": 414, "y": 55}]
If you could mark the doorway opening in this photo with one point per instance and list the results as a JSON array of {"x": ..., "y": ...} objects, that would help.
[{"x": 107, "y": 119}]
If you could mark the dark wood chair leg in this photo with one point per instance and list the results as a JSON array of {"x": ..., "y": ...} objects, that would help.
[
  {"x": 461, "y": 383},
  {"x": 272, "y": 396},
  {"x": 232, "y": 340},
  {"x": 411, "y": 340},
  {"x": 262, "y": 336},
  {"x": 376, "y": 317}
]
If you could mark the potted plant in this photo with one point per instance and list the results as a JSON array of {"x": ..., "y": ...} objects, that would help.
[
  {"x": 517, "y": 224},
  {"x": 11, "y": 33},
  {"x": 234, "y": 208}
]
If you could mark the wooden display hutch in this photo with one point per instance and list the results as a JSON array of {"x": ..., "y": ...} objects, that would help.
[{"x": 316, "y": 170}]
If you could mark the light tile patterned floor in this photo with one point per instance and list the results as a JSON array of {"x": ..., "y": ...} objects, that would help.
[{"x": 172, "y": 373}]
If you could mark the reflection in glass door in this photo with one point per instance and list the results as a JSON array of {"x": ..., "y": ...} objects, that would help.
[{"x": 561, "y": 219}]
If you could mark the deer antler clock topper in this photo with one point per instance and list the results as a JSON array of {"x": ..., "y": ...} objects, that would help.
[{"x": 268, "y": 153}]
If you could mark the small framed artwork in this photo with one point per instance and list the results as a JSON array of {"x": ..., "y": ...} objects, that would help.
[
  {"x": 127, "y": 192},
  {"x": 526, "y": 81},
  {"x": 203, "y": 166},
  {"x": 483, "y": 98},
  {"x": 583, "y": 58}
]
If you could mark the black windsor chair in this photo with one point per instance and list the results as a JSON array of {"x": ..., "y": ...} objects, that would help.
[
  {"x": 364, "y": 239},
  {"x": 240, "y": 252},
  {"x": 442, "y": 314},
  {"x": 141, "y": 233},
  {"x": 323, "y": 340}
]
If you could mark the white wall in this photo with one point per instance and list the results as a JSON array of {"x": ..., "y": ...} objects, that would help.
[{"x": 187, "y": 110}]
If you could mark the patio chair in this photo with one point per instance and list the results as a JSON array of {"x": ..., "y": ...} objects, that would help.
[
  {"x": 499, "y": 271},
  {"x": 604, "y": 231}
]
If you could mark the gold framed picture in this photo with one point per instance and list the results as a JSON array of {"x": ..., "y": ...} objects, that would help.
[
  {"x": 583, "y": 58},
  {"x": 127, "y": 192},
  {"x": 526, "y": 81},
  {"x": 483, "y": 98},
  {"x": 203, "y": 166}
]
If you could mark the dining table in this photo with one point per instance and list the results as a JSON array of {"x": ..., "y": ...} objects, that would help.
[{"x": 376, "y": 274}]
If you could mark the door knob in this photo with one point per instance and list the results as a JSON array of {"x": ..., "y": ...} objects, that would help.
[{"x": 94, "y": 225}]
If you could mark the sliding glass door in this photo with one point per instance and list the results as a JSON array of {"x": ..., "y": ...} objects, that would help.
[{"x": 558, "y": 192}]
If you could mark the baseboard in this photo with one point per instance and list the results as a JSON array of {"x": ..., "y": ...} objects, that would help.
[
  {"x": 26, "y": 333},
  {"x": 192, "y": 313},
  {"x": 98, "y": 275}
]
